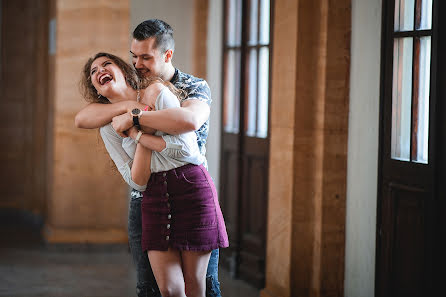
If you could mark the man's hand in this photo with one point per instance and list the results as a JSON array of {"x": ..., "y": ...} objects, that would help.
[{"x": 122, "y": 123}]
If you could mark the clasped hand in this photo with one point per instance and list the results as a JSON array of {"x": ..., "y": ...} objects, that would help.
[{"x": 122, "y": 123}]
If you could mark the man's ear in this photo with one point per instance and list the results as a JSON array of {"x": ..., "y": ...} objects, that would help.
[{"x": 168, "y": 55}]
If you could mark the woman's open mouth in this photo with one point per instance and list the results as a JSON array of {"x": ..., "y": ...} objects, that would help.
[{"x": 104, "y": 79}]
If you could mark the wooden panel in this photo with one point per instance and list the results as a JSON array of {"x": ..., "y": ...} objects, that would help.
[
  {"x": 229, "y": 188},
  {"x": 254, "y": 208},
  {"x": 406, "y": 258}
]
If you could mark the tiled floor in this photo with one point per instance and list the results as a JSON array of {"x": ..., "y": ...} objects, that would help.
[{"x": 31, "y": 269}]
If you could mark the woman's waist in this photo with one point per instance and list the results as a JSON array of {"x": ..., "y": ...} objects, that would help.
[
  {"x": 176, "y": 172},
  {"x": 162, "y": 163}
]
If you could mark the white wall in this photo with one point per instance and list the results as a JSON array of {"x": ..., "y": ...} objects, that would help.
[
  {"x": 179, "y": 14},
  {"x": 214, "y": 73},
  {"x": 363, "y": 141}
]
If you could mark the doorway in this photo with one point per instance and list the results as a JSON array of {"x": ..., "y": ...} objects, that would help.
[{"x": 411, "y": 196}]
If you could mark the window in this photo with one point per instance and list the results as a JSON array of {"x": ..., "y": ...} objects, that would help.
[
  {"x": 412, "y": 39},
  {"x": 246, "y": 66}
]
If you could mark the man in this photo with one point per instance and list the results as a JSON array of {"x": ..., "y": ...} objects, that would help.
[{"x": 152, "y": 49}]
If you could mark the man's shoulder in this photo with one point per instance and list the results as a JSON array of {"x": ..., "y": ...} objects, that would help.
[
  {"x": 186, "y": 81},
  {"x": 195, "y": 87}
]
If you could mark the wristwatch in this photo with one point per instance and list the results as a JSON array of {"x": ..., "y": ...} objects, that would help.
[{"x": 136, "y": 113}]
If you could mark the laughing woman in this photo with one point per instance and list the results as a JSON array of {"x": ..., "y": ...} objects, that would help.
[{"x": 182, "y": 220}]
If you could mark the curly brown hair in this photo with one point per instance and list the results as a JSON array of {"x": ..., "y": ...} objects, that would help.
[
  {"x": 87, "y": 89},
  {"x": 90, "y": 93}
]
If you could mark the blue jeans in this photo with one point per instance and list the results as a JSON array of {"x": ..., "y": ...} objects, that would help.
[{"x": 146, "y": 284}]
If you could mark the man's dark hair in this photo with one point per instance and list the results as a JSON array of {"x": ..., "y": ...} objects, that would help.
[{"x": 159, "y": 29}]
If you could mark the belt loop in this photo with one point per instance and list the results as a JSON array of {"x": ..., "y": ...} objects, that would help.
[
  {"x": 156, "y": 177},
  {"x": 175, "y": 171}
]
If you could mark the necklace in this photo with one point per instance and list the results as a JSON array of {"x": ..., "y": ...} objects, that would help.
[{"x": 137, "y": 96}]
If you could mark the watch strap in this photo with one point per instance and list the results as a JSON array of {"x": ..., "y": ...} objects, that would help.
[{"x": 136, "y": 121}]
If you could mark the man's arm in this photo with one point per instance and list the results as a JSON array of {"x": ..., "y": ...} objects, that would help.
[
  {"x": 96, "y": 115},
  {"x": 189, "y": 117}
]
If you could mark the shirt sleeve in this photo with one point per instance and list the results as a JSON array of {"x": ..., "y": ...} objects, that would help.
[
  {"x": 113, "y": 144},
  {"x": 166, "y": 99},
  {"x": 199, "y": 90},
  {"x": 182, "y": 147}
]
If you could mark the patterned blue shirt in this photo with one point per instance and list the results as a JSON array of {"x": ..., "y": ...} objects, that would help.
[{"x": 195, "y": 88}]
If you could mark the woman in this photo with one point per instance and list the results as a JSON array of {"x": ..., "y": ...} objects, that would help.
[{"x": 182, "y": 221}]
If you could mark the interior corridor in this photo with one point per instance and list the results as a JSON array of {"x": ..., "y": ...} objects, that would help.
[{"x": 30, "y": 268}]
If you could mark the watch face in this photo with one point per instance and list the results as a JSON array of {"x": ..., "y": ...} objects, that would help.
[{"x": 136, "y": 111}]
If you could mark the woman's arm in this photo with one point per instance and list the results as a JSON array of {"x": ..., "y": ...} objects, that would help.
[
  {"x": 141, "y": 165},
  {"x": 96, "y": 115},
  {"x": 151, "y": 142},
  {"x": 123, "y": 161}
]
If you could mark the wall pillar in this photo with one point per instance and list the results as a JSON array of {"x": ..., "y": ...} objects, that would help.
[
  {"x": 88, "y": 199},
  {"x": 308, "y": 152}
]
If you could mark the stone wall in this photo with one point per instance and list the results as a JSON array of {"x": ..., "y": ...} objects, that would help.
[{"x": 88, "y": 199}]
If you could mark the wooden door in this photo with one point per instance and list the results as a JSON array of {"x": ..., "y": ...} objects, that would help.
[
  {"x": 410, "y": 224},
  {"x": 245, "y": 136}
]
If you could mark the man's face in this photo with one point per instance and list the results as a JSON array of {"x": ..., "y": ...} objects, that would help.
[{"x": 147, "y": 59}]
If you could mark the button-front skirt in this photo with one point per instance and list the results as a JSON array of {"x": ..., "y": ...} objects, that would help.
[{"x": 180, "y": 209}]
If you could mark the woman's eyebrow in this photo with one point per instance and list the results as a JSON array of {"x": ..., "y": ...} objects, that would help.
[{"x": 106, "y": 61}]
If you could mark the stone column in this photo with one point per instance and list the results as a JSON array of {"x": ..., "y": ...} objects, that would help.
[
  {"x": 88, "y": 199},
  {"x": 308, "y": 153}
]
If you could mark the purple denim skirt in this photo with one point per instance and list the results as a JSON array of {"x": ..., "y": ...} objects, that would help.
[{"x": 180, "y": 210}]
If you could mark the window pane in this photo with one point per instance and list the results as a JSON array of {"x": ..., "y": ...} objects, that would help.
[
  {"x": 262, "y": 117},
  {"x": 401, "y": 98},
  {"x": 264, "y": 22},
  {"x": 234, "y": 26},
  {"x": 253, "y": 22},
  {"x": 251, "y": 90},
  {"x": 420, "y": 133},
  {"x": 231, "y": 104},
  {"x": 404, "y": 15},
  {"x": 424, "y": 14}
]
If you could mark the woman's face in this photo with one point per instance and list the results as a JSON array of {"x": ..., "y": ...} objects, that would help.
[{"x": 106, "y": 77}]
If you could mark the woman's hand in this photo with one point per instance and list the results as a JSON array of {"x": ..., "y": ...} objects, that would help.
[
  {"x": 132, "y": 132},
  {"x": 122, "y": 123}
]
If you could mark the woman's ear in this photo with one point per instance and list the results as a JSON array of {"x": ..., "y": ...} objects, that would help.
[{"x": 168, "y": 55}]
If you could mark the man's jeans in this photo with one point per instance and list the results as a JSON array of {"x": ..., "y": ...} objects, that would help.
[{"x": 146, "y": 285}]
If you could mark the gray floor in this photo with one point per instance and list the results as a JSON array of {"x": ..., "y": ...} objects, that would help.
[{"x": 31, "y": 269}]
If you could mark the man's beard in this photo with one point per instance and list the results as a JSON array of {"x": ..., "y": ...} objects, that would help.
[{"x": 142, "y": 72}]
